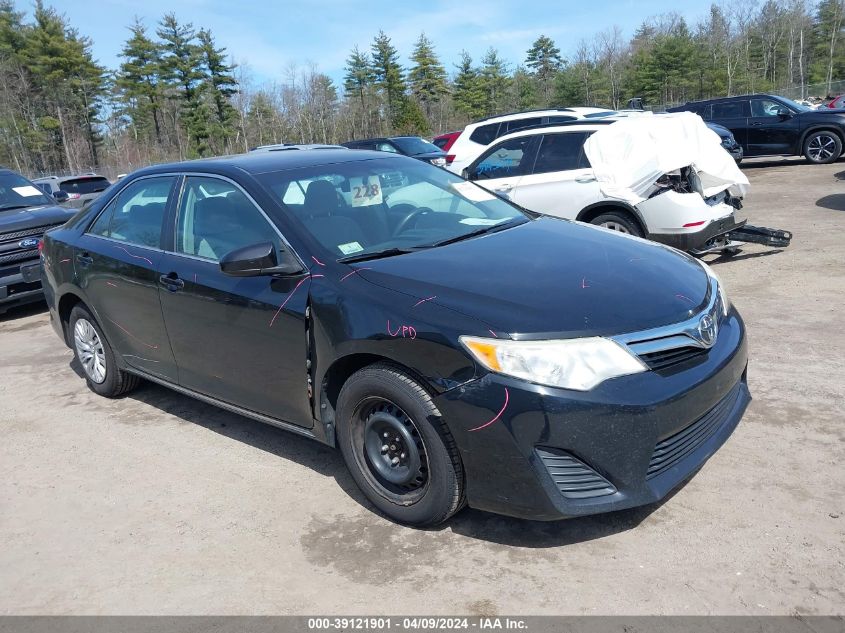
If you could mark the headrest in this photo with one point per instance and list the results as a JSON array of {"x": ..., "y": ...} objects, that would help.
[
  {"x": 214, "y": 214},
  {"x": 321, "y": 198}
]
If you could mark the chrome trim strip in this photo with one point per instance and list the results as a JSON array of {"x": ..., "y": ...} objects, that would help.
[
  {"x": 233, "y": 408},
  {"x": 677, "y": 335}
]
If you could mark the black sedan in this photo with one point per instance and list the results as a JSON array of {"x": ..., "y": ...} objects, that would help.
[
  {"x": 456, "y": 349},
  {"x": 412, "y": 146},
  {"x": 767, "y": 125}
]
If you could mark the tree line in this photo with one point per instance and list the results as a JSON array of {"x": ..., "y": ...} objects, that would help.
[{"x": 177, "y": 95}]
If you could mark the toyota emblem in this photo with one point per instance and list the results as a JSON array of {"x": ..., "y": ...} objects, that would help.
[{"x": 707, "y": 330}]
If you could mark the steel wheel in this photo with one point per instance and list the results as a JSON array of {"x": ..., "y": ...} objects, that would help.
[
  {"x": 615, "y": 226},
  {"x": 89, "y": 350},
  {"x": 390, "y": 450},
  {"x": 822, "y": 147}
]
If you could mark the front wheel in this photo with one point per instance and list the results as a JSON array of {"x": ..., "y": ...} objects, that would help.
[
  {"x": 617, "y": 222},
  {"x": 397, "y": 447},
  {"x": 822, "y": 147}
]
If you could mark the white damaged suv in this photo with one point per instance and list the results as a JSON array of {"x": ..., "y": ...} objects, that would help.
[{"x": 665, "y": 177}]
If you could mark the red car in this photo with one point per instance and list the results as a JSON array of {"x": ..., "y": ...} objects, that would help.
[
  {"x": 836, "y": 102},
  {"x": 445, "y": 141}
]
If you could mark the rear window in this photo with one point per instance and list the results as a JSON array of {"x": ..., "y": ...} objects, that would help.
[
  {"x": 93, "y": 184},
  {"x": 561, "y": 152},
  {"x": 600, "y": 115},
  {"x": 485, "y": 134},
  {"x": 730, "y": 110}
]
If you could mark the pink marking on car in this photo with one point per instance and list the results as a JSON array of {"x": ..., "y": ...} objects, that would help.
[
  {"x": 128, "y": 333},
  {"x": 405, "y": 331},
  {"x": 113, "y": 285},
  {"x": 135, "y": 256},
  {"x": 64, "y": 261},
  {"x": 284, "y": 303},
  {"x": 354, "y": 272},
  {"x": 684, "y": 298},
  {"x": 498, "y": 415},
  {"x": 423, "y": 301},
  {"x": 316, "y": 276},
  {"x": 317, "y": 261},
  {"x": 584, "y": 283},
  {"x": 493, "y": 333}
]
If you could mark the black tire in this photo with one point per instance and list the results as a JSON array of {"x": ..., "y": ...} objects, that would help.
[
  {"x": 115, "y": 382},
  {"x": 822, "y": 147},
  {"x": 616, "y": 221},
  {"x": 381, "y": 397}
]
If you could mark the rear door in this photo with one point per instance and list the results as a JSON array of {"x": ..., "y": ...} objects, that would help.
[
  {"x": 237, "y": 339},
  {"x": 501, "y": 167},
  {"x": 733, "y": 115},
  {"x": 561, "y": 182},
  {"x": 117, "y": 262},
  {"x": 769, "y": 132}
]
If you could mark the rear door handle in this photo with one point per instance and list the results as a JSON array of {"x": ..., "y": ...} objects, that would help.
[
  {"x": 84, "y": 259},
  {"x": 585, "y": 179},
  {"x": 504, "y": 187},
  {"x": 758, "y": 123},
  {"x": 172, "y": 281}
]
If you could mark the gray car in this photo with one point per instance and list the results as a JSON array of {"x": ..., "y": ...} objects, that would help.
[{"x": 81, "y": 190}]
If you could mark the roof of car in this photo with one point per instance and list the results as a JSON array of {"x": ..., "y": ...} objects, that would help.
[
  {"x": 719, "y": 99},
  {"x": 263, "y": 162},
  {"x": 282, "y": 147},
  {"x": 66, "y": 178}
]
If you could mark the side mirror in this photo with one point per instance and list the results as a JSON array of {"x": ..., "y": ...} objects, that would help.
[
  {"x": 784, "y": 113},
  {"x": 61, "y": 196},
  {"x": 256, "y": 260},
  {"x": 469, "y": 174}
]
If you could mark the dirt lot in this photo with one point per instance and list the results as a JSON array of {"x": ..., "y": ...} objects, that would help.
[{"x": 160, "y": 504}]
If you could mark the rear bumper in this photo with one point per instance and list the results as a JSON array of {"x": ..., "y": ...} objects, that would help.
[
  {"x": 22, "y": 287},
  {"x": 553, "y": 454},
  {"x": 697, "y": 240}
]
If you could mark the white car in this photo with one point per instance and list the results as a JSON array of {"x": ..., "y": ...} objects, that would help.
[
  {"x": 480, "y": 134},
  {"x": 665, "y": 178}
]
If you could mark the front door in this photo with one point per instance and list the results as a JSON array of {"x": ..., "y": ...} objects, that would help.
[
  {"x": 770, "y": 132},
  {"x": 561, "y": 182},
  {"x": 238, "y": 339},
  {"x": 117, "y": 262},
  {"x": 501, "y": 167}
]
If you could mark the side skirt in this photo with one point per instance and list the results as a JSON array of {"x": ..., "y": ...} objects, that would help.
[{"x": 287, "y": 426}]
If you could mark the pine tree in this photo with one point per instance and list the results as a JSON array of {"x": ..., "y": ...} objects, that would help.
[
  {"x": 388, "y": 74},
  {"x": 427, "y": 77},
  {"x": 494, "y": 81},
  {"x": 139, "y": 77},
  {"x": 545, "y": 62},
  {"x": 358, "y": 83},
  {"x": 468, "y": 93},
  {"x": 219, "y": 84}
]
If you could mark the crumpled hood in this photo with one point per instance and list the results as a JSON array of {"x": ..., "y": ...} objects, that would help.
[
  {"x": 549, "y": 277},
  {"x": 31, "y": 217},
  {"x": 630, "y": 155}
]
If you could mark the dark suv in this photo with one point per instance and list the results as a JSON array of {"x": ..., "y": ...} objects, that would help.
[
  {"x": 412, "y": 146},
  {"x": 25, "y": 213},
  {"x": 456, "y": 348},
  {"x": 767, "y": 125}
]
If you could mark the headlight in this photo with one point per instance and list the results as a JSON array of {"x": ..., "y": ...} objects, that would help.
[
  {"x": 439, "y": 162},
  {"x": 723, "y": 294},
  {"x": 578, "y": 363}
]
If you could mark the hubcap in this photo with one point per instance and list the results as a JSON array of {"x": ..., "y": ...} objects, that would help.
[
  {"x": 615, "y": 226},
  {"x": 89, "y": 350},
  {"x": 394, "y": 457},
  {"x": 821, "y": 147}
]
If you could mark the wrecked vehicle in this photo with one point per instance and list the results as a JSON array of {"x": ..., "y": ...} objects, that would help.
[
  {"x": 666, "y": 178},
  {"x": 456, "y": 349}
]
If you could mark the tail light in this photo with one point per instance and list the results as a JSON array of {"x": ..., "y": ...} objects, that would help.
[
  {"x": 449, "y": 158},
  {"x": 73, "y": 196},
  {"x": 40, "y": 245},
  {"x": 691, "y": 224}
]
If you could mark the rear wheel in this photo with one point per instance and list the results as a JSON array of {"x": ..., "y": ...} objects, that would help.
[
  {"x": 397, "y": 447},
  {"x": 617, "y": 222},
  {"x": 96, "y": 357},
  {"x": 822, "y": 147}
]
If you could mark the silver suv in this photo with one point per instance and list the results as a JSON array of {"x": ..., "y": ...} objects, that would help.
[{"x": 81, "y": 190}]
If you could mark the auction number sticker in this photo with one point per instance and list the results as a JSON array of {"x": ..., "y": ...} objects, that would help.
[{"x": 365, "y": 191}]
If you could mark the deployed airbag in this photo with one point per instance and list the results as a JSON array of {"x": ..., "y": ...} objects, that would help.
[{"x": 629, "y": 156}]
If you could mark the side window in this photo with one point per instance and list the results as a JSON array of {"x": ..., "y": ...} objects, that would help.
[
  {"x": 765, "y": 107},
  {"x": 136, "y": 214},
  {"x": 730, "y": 110},
  {"x": 386, "y": 147},
  {"x": 506, "y": 159},
  {"x": 559, "y": 152},
  {"x": 485, "y": 134},
  {"x": 519, "y": 124},
  {"x": 561, "y": 119},
  {"x": 215, "y": 217}
]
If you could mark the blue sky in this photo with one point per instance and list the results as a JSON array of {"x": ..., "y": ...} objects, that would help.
[{"x": 271, "y": 35}]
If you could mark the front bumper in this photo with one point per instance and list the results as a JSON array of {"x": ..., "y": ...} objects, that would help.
[
  {"x": 643, "y": 435},
  {"x": 21, "y": 287}
]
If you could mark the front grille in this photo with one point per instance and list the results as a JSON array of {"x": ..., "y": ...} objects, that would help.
[
  {"x": 35, "y": 231},
  {"x": 11, "y": 253},
  {"x": 673, "y": 449},
  {"x": 668, "y": 357},
  {"x": 573, "y": 478},
  {"x": 19, "y": 256}
]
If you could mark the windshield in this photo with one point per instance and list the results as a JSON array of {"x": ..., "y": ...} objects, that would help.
[
  {"x": 17, "y": 192},
  {"x": 795, "y": 106},
  {"x": 367, "y": 206},
  {"x": 413, "y": 145}
]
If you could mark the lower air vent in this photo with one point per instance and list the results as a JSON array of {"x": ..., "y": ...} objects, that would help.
[
  {"x": 573, "y": 478},
  {"x": 668, "y": 357},
  {"x": 673, "y": 449}
]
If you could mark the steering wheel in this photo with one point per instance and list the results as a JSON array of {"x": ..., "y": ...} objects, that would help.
[{"x": 413, "y": 215}]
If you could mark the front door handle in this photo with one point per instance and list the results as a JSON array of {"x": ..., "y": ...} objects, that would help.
[
  {"x": 84, "y": 259},
  {"x": 505, "y": 187},
  {"x": 585, "y": 179},
  {"x": 172, "y": 281},
  {"x": 758, "y": 123}
]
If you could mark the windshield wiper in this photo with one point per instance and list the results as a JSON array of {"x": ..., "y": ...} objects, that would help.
[
  {"x": 14, "y": 206},
  {"x": 387, "y": 252},
  {"x": 485, "y": 229}
]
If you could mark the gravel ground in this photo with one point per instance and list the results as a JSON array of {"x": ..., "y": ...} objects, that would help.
[{"x": 160, "y": 504}]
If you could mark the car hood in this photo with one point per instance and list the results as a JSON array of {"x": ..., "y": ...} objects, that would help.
[
  {"x": 550, "y": 277},
  {"x": 19, "y": 219}
]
